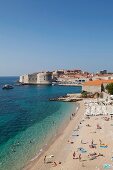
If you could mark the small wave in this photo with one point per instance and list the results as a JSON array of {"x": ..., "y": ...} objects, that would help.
[
  {"x": 38, "y": 154},
  {"x": 35, "y": 157}
]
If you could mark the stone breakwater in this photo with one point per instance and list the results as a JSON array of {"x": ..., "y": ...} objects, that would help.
[{"x": 68, "y": 98}]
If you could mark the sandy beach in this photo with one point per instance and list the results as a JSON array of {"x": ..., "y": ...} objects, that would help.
[
  {"x": 86, "y": 143},
  {"x": 60, "y": 146}
]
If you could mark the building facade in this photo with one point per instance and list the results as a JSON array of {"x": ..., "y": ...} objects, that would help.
[
  {"x": 96, "y": 85},
  {"x": 44, "y": 78},
  {"x": 37, "y": 78}
]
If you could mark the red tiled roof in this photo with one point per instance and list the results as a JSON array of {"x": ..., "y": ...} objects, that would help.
[{"x": 97, "y": 82}]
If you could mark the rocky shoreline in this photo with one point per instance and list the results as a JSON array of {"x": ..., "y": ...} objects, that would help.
[{"x": 68, "y": 98}]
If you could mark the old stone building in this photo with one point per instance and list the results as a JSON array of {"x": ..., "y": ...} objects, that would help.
[
  {"x": 96, "y": 85},
  {"x": 37, "y": 78}
]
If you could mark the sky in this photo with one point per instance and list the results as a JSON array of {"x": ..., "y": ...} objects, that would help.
[{"x": 39, "y": 35}]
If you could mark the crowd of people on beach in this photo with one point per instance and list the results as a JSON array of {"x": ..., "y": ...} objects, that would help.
[{"x": 89, "y": 149}]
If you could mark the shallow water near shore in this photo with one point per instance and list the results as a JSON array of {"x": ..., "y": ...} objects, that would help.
[{"x": 28, "y": 120}]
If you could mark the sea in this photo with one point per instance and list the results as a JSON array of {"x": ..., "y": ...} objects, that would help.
[{"x": 29, "y": 121}]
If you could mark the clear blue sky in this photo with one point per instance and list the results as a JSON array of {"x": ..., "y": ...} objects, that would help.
[{"x": 40, "y": 35}]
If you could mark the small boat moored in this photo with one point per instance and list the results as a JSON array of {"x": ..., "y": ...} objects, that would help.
[{"x": 7, "y": 86}]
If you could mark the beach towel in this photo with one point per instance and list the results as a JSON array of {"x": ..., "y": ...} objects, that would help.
[
  {"x": 106, "y": 166},
  {"x": 82, "y": 150},
  {"x": 103, "y": 146}
]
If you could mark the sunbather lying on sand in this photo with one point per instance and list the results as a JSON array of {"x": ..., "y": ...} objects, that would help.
[
  {"x": 98, "y": 126},
  {"x": 71, "y": 142},
  {"x": 54, "y": 164},
  {"x": 93, "y": 132},
  {"x": 92, "y": 157},
  {"x": 92, "y": 154},
  {"x": 83, "y": 142},
  {"x": 92, "y": 146},
  {"x": 88, "y": 125},
  {"x": 102, "y": 144},
  {"x": 106, "y": 118},
  {"x": 100, "y": 154}
]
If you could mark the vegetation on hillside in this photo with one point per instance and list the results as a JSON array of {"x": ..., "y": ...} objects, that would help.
[{"x": 109, "y": 88}]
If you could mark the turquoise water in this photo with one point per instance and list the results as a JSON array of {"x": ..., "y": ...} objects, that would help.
[{"x": 28, "y": 121}]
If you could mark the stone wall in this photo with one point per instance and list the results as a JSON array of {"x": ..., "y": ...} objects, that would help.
[
  {"x": 37, "y": 78},
  {"x": 44, "y": 78},
  {"x": 92, "y": 89},
  {"x": 24, "y": 79}
]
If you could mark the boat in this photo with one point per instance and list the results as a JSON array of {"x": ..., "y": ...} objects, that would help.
[
  {"x": 18, "y": 84},
  {"x": 7, "y": 86},
  {"x": 54, "y": 83}
]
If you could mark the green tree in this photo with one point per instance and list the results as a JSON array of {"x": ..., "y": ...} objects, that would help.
[
  {"x": 102, "y": 88},
  {"x": 109, "y": 88},
  {"x": 84, "y": 94}
]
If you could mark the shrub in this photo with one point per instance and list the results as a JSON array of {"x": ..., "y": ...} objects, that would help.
[
  {"x": 109, "y": 88},
  {"x": 84, "y": 94},
  {"x": 101, "y": 95},
  {"x": 102, "y": 88}
]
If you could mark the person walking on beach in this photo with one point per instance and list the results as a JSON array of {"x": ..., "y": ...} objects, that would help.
[
  {"x": 82, "y": 142},
  {"x": 54, "y": 164},
  {"x": 100, "y": 141},
  {"x": 78, "y": 127},
  {"x": 92, "y": 142},
  {"x": 44, "y": 159},
  {"x": 74, "y": 155},
  {"x": 80, "y": 157}
]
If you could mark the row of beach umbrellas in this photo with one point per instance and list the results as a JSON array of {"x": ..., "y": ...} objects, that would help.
[{"x": 94, "y": 108}]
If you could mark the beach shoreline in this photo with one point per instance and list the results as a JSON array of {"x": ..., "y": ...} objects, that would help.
[
  {"x": 38, "y": 161},
  {"x": 85, "y": 143}
]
